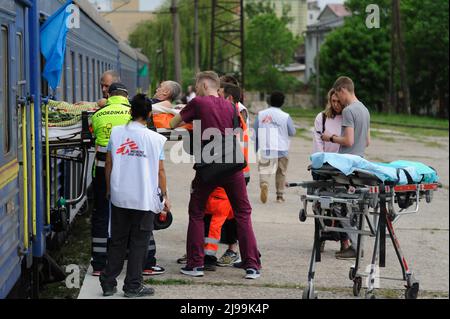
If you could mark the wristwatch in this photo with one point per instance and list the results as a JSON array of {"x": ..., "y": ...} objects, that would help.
[{"x": 332, "y": 138}]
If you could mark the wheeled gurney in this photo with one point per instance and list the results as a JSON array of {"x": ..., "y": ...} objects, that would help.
[{"x": 365, "y": 204}]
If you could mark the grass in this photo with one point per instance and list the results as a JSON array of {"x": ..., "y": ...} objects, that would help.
[
  {"x": 426, "y": 125},
  {"x": 76, "y": 250},
  {"x": 303, "y": 133}
]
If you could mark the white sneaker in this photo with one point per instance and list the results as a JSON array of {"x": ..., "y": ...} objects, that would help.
[
  {"x": 194, "y": 272},
  {"x": 251, "y": 273}
]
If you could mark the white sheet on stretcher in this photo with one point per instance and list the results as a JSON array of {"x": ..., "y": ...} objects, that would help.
[{"x": 63, "y": 133}]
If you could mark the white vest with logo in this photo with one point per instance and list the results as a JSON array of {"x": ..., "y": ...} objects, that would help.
[
  {"x": 135, "y": 153},
  {"x": 273, "y": 130}
]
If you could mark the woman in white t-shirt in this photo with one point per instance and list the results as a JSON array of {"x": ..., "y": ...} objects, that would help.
[
  {"x": 134, "y": 172},
  {"x": 330, "y": 122}
]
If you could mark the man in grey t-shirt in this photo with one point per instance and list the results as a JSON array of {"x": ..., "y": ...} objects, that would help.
[
  {"x": 355, "y": 136},
  {"x": 354, "y": 139},
  {"x": 356, "y": 116}
]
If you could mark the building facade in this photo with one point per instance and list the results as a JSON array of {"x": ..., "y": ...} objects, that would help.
[
  {"x": 313, "y": 11},
  {"x": 298, "y": 13},
  {"x": 124, "y": 15},
  {"x": 331, "y": 17}
]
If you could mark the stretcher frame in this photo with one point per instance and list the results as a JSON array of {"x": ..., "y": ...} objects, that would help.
[{"x": 364, "y": 196}]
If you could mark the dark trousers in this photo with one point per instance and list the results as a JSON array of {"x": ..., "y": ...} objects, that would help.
[
  {"x": 130, "y": 227},
  {"x": 99, "y": 221},
  {"x": 236, "y": 190},
  {"x": 150, "y": 261}
]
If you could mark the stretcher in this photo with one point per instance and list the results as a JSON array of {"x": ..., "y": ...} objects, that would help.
[
  {"x": 368, "y": 206},
  {"x": 67, "y": 136}
]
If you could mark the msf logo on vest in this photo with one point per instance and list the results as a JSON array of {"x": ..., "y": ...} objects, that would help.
[
  {"x": 269, "y": 121},
  {"x": 130, "y": 148}
]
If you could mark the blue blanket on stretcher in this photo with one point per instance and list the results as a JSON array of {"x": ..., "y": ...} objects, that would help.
[{"x": 396, "y": 171}]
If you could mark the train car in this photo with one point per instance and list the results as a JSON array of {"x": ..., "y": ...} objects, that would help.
[
  {"x": 128, "y": 66},
  {"x": 27, "y": 225},
  {"x": 143, "y": 67}
]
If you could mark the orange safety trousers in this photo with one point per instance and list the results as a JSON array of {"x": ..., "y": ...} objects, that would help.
[{"x": 219, "y": 207}]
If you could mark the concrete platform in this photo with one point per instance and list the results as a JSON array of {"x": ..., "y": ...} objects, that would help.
[{"x": 286, "y": 244}]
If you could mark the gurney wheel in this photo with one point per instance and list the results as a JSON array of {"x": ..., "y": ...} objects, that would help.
[
  {"x": 429, "y": 196},
  {"x": 302, "y": 215},
  {"x": 351, "y": 273},
  {"x": 357, "y": 284},
  {"x": 412, "y": 292}
]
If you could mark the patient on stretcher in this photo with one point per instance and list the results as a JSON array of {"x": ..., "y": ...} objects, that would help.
[{"x": 164, "y": 112}]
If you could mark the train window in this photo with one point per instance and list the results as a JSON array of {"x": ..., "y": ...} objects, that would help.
[
  {"x": 20, "y": 69},
  {"x": 20, "y": 81},
  {"x": 63, "y": 82},
  {"x": 94, "y": 82},
  {"x": 98, "y": 79},
  {"x": 74, "y": 78},
  {"x": 80, "y": 78},
  {"x": 87, "y": 80},
  {"x": 5, "y": 88}
]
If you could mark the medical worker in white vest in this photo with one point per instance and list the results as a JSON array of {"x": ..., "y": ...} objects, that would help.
[
  {"x": 136, "y": 185},
  {"x": 273, "y": 130}
]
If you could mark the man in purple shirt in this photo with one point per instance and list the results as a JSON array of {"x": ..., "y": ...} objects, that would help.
[{"x": 215, "y": 112}]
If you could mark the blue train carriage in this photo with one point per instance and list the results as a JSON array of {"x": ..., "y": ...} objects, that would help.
[
  {"x": 91, "y": 50},
  {"x": 143, "y": 73},
  {"x": 24, "y": 215},
  {"x": 16, "y": 227},
  {"x": 128, "y": 67}
]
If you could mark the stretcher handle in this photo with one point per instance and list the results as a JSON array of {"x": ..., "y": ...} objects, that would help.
[{"x": 300, "y": 184}]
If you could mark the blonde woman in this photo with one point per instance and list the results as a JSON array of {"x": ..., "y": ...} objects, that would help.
[{"x": 328, "y": 122}]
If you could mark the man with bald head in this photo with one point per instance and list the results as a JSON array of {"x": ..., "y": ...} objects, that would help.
[
  {"x": 108, "y": 77},
  {"x": 215, "y": 112}
]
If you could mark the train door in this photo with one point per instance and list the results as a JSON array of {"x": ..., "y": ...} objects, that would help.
[
  {"x": 23, "y": 118},
  {"x": 11, "y": 239}
]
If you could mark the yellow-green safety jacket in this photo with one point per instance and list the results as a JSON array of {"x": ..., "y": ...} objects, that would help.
[{"x": 116, "y": 112}]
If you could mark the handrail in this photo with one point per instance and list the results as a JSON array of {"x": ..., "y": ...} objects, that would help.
[
  {"x": 47, "y": 166},
  {"x": 25, "y": 178},
  {"x": 33, "y": 172}
]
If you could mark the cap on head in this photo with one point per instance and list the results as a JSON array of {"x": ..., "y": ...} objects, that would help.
[{"x": 118, "y": 87}]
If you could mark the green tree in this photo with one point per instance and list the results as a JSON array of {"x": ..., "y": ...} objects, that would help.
[
  {"x": 426, "y": 42},
  {"x": 364, "y": 54},
  {"x": 155, "y": 37},
  {"x": 269, "y": 46},
  {"x": 360, "y": 53}
]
